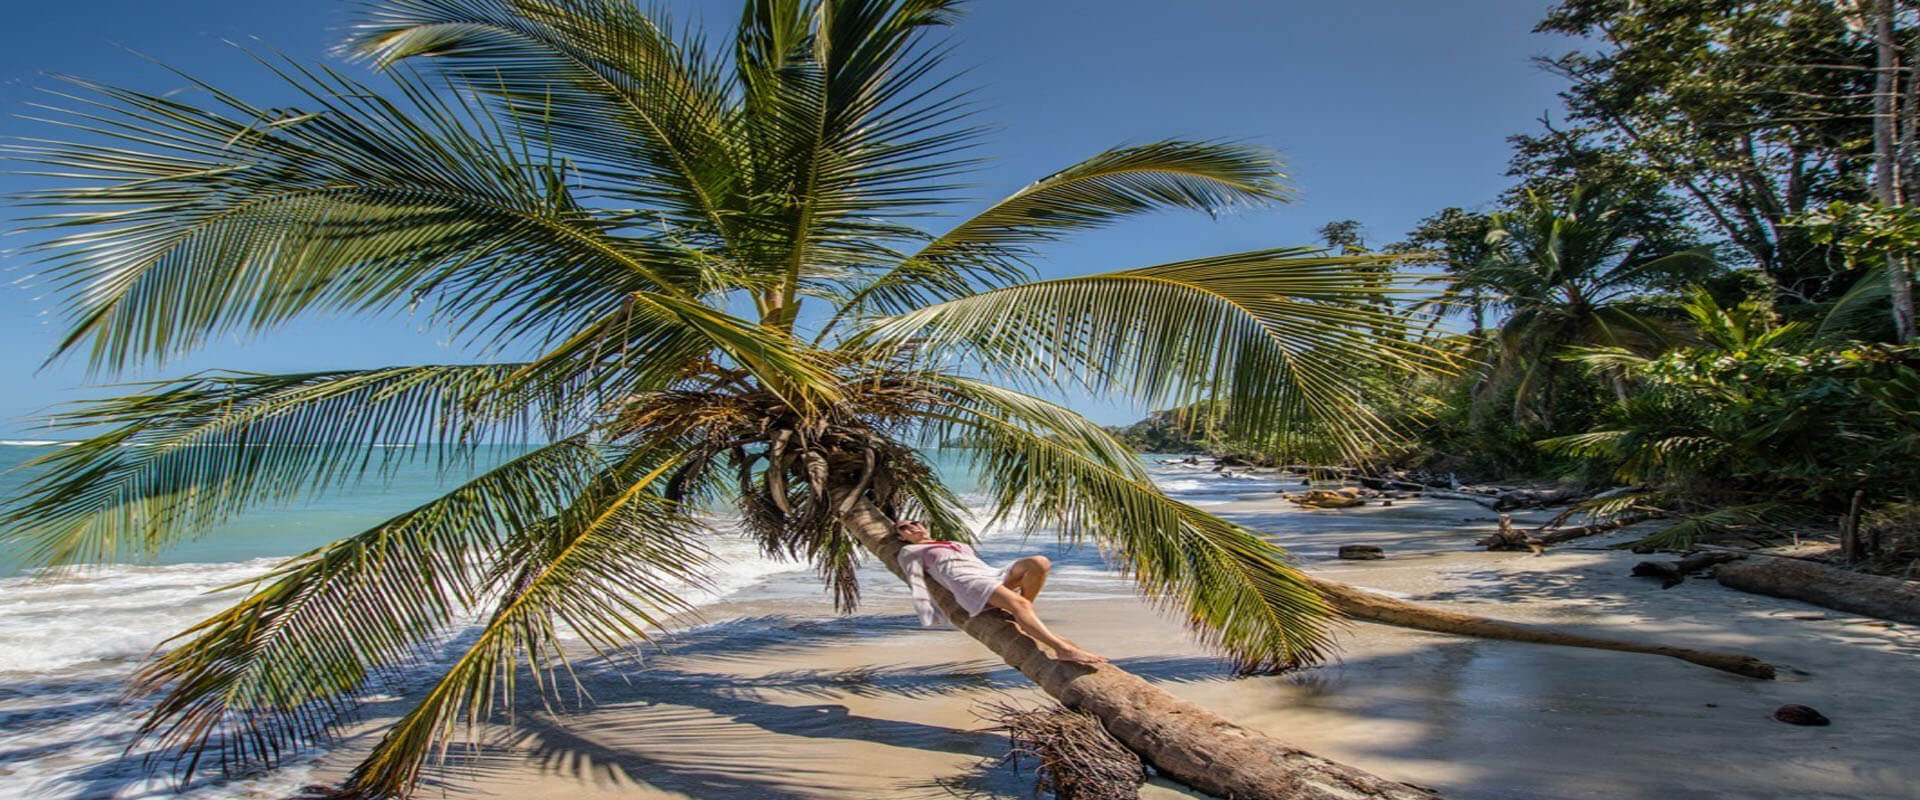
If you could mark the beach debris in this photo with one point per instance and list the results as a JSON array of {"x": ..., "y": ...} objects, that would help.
[
  {"x": 1361, "y": 552},
  {"x": 1509, "y": 539},
  {"x": 1327, "y": 498},
  {"x": 1077, "y": 759},
  {"x": 1796, "y": 714},
  {"x": 1537, "y": 539},
  {"x": 1667, "y": 571},
  {"x": 1673, "y": 573},
  {"x": 1828, "y": 586}
]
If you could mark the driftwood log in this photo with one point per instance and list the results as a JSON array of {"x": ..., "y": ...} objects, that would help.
[
  {"x": 1507, "y": 538},
  {"x": 1536, "y": 540},
  {"x": 1673, "y": 573},
  {"x": 1822, "y": 585},
  {"x": 1582, "y": 531},
  {"x": 1512, "y": 499},
  {"x": 1327, "y": 498}
]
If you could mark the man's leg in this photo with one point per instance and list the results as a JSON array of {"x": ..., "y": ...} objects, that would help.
[
  {"x": 1028, "y": 576},
  {"x": 1022, "y": 610}
]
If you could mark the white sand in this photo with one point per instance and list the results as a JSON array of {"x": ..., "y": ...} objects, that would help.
[{"x": 807, "y": 705}]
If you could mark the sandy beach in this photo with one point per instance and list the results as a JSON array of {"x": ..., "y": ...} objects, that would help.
[{"x": 774, "y": 698}]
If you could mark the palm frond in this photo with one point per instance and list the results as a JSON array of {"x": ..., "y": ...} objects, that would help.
[
  {"x": 194, "y": 221},
  {"x": 844, "y": 127},
  {"x": 1267, "y": 336},
  {"x": 285, "y": 664},
  {"x": 645, "y": 116},
  {"x": 182, "y": 456},
  {"x": 1059, "y": 471},
  {"x": 1694, "y": 527},
  {"x": 990, "y": 248},
  {"x": 604, "y": 569}
]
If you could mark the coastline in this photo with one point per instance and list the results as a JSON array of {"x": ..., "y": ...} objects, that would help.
[{"x": 778, "y": 698}]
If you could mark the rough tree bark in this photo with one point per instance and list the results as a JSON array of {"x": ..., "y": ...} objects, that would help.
[
  {"x": 1886, "y": 172},
  {"x": 1821, "y": 585},
  {"x": 1183, "y": 741}
]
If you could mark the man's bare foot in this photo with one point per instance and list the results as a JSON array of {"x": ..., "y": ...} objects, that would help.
[{"x": 1075, "y": 655}]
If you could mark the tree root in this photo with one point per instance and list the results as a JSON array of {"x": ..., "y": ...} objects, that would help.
[{"x": 1078, "y": 759}]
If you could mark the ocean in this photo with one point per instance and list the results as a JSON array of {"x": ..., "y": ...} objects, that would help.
[{"x": 68, "y": 645}]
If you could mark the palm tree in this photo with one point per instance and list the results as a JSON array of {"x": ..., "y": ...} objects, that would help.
[
  {"x": 602, "y": 204},
  {"x": 1569, "y": 274}
]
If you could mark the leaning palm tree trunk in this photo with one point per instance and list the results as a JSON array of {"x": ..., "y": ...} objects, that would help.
[
  {"x": 1375, "y": 607},
  {"x": 1180, "y": 739}
]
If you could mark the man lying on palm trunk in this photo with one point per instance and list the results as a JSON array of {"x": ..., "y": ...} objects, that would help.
[{"x": 976, "y": 585}]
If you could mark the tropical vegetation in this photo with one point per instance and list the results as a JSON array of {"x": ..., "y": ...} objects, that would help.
[
  {"x": 1700, "y": 282},
  {"x": 703, "y": 267}
]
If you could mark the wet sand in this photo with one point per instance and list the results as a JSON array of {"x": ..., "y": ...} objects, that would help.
[{"x": 785, "y": 700}]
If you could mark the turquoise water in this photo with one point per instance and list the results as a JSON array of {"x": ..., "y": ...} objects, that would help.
[
  {"x": 294, "y": 528},
  {"x": 68, "y": 645},
  {"x": 64, "y": 729},
  {"x": 291, "y": 529}
]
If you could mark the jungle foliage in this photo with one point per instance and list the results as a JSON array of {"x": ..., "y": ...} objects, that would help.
[{"x": 1694, "y": 285}]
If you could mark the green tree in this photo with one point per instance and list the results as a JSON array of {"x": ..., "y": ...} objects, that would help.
[
  {"x": 1569, "y": 274},
  {"x": 1754, "y": 422},
  {"x": 1754, "y": 111},
  {"x": 1456, "y": 241},
  {"x": 572, "y": 185}
]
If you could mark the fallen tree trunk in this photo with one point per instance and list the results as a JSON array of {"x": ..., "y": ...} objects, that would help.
[
  {"x": 1511, "y": 499},
  {"x": 1582, "y": 531},
  {"x": 1822, "y": 585},
  {"x": 1489, "y": 501},
  {"x": 1533, "y": 498},
  {"x": 1536, "y": 540},
  {"x": 1375, "y": 607},
  {"x": 1183, "y": 741}
]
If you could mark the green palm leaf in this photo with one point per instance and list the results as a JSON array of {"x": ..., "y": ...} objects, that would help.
[
  {"x": 283, "y": 665},
  {"x": 605, "y": 569},
  {"x": 991, "y": 247},
  {"x": 242, "y": 217},
  {"x": 1057, "y": 470},
  {"x": 645, "y": 116},
  {"x": 1266, "y": 335},
  {"x": 185, "y": 455}
]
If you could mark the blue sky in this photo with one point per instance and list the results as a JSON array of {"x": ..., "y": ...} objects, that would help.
[{"x": 1384, "y": 110}]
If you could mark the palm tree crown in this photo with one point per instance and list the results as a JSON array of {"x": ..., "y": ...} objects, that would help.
[
  {"x": 1568, "y": 273},
  {"x": 599, "y": 201}
]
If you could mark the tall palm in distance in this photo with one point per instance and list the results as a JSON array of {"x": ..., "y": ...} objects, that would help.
[
  {"x": 568, "y": 184},
  {"x": 1568, "y": 272}
]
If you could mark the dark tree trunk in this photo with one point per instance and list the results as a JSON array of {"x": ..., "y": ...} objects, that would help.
[
  {"x": 1886, "y": 172},
  {"x": 1821, "y": 585}
]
